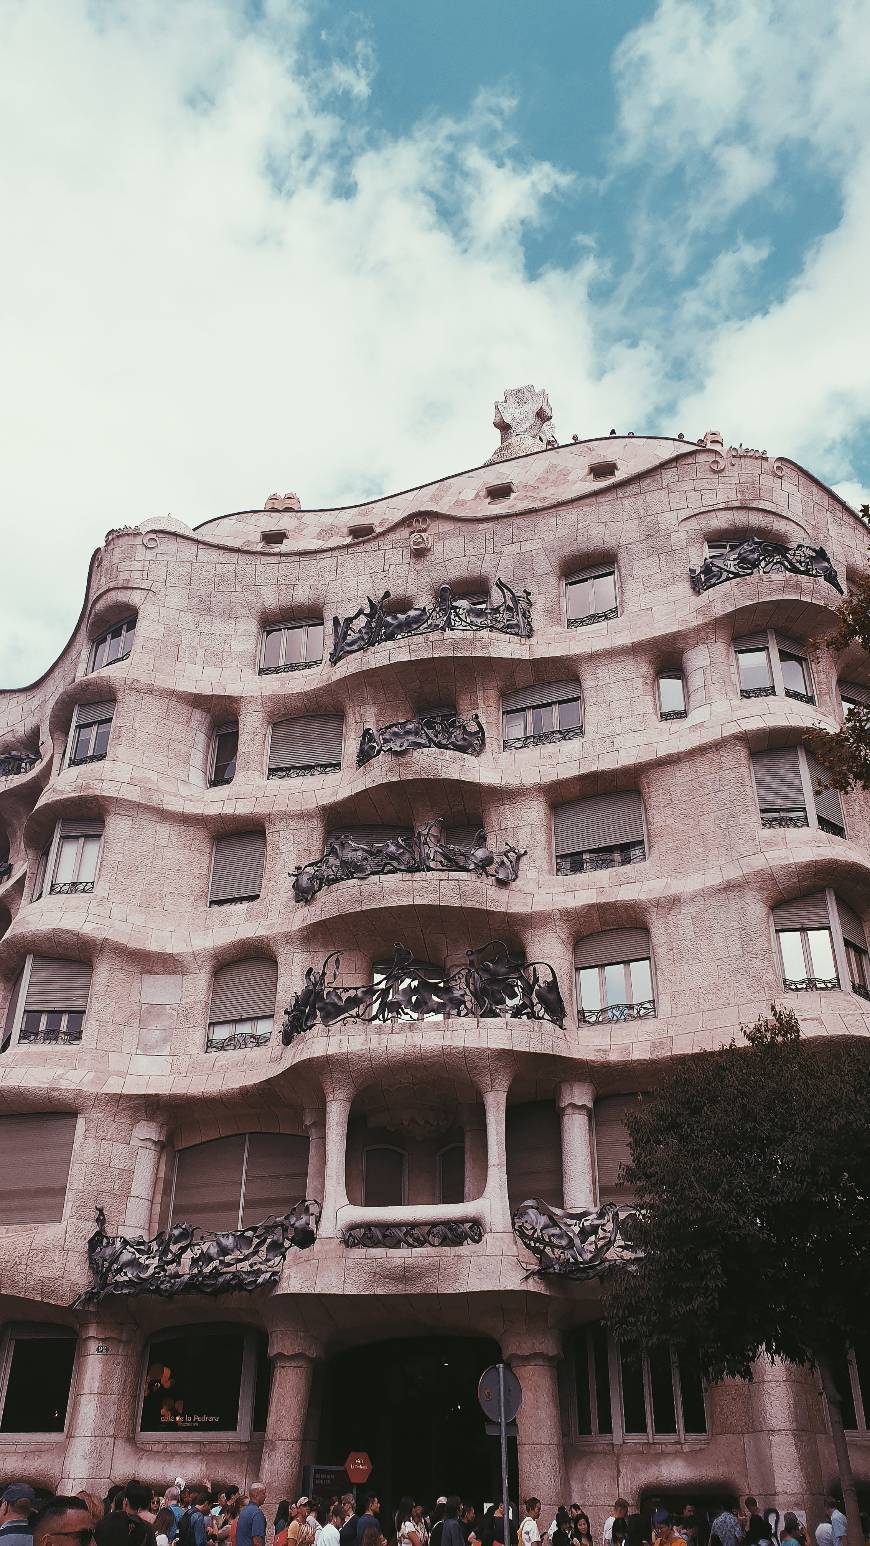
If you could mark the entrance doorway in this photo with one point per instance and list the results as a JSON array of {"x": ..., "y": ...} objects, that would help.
[{"x": 411, "y": 1404}]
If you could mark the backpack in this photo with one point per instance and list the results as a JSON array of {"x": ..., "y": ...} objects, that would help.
[
  {"x": 185, "y": 1535},
  {"x": 306, "y": 1536}
]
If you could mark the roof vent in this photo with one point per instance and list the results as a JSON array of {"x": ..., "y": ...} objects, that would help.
[
  {"x": 496, "y": 491},
  {"x": 363, "y": 530},
  {"x": 275, "y": 537},
  {"x": 602, "y": 469}
]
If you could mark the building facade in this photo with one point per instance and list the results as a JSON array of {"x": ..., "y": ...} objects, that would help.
[{"x": 374, "y": 930}]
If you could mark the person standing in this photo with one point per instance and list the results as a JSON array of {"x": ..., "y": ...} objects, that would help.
[
  {"x": 620, "y": 1511},
  {"x": 347, "y": 1533},
  {"x": 452, "y": 1533},
  {"x": 251, "y": 1529},
  {"x": 529, "y": 1532},
  {"x": 368, "y": 1519},
  {"x": 16, "y": 1506},
  {"x": 839, "y": 1526},
  {"x": 330, "y": 1535},
  {"x": 562, "y": 1533},
  {"x": 727, "y": 1528}
]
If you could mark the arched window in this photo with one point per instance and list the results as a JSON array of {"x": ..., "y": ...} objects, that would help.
[
  {"x": 224, "y": 754},
  {"x": 769, "y": 664},
  {"x": 792, "y": 791},
  {"x": 290, "y": 646},
  {"x": 113, "y": 645},
  {"x": 49, "y": 1002},
  {"x": 89, "y": 736},
  {"x": 309, "y": 745},
  {"x": 591, "y": 596},
  {"x": 237, "y": 868},
  {"x": 538, "y": 716},
  {"x": 806, "y": 944},
  {"x": 385, "y": 1176},
  {"x": 614, "y": 976},
  {"x": 242, "y": 1009},
  {"x": 853, "y": 695},
  {"x": 230, "y": 1183},
  {"x": 600, "y": 833}
]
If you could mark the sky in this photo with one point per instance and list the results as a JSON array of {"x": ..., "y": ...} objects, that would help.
[{"x": 269, "y": 245}]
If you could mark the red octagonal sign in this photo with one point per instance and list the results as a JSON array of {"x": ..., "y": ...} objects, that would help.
[{"x": 358, "y": 1466}]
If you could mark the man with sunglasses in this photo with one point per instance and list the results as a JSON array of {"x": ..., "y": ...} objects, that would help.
[{"x": 63, "y": 1522}]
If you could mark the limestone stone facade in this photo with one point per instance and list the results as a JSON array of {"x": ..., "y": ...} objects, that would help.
[{"x": 513, "y": 1106}]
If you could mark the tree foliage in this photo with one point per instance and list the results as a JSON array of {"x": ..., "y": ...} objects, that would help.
[{"x": 845, "y": 756}]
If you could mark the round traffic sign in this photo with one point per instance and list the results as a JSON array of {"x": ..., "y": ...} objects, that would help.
[
  {"x": 358, "y": 1466},
  {"x": 487, "y": 1393}
]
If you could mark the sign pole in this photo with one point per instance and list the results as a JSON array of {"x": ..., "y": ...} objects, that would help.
[{"x": 505, "y": 1490}]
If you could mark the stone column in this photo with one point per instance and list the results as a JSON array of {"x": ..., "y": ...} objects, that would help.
[
  {"x": 576, "y": 1098},
  {"x": 473, "y": 1118},
  {"x": 148, "y": 1141},
  {"x": 534, "y": 1358},
  {"x": 293, "y": 1358},
  {"x": 102, "y": 1402},
  {"x": 315, "y": 1127},
  {"x": 495, "y": 1107},
  {"x": 335, "y": 1139}
]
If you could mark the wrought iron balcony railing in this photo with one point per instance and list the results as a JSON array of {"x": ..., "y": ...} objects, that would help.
[
  {"x": 799, "y": 697},
  {"x": 493, "y": 985},
  {"x": 861, "y": 989},
  {"x": 14, "y": 763},
  {"x": 644, "y": 1010},
  {"x": 594, "y": 617},
  {"x": 832, "y": 828},
  {"x": 788, "y": 816},
  {"x": 71, "y": 887},
  {"x": 350, "y": 858},
  {"x": 590, "y": 859},
  {"x": 810, "y": 984},
  {"x": 375, "y": 624},
  {"x": 758, "y": 692},
  {"x": 237, "y": 1041},
  {"x": 542, "y": 738},
  {"x": 447, "y": 732},
  {"x": 184, "y": 1260},
  {"x": 403, "y": 1237},
  {"x": 758, "y": 556},
  {"x": 575, "y": 1245}
]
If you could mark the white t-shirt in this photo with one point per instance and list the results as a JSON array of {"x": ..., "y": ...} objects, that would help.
[
  {"x": 529, "y": 1532},
  {"x": 408, "y": 1529},
  {"x": 824, "y": 1534},
  {"x": 608, "y": 1529}
]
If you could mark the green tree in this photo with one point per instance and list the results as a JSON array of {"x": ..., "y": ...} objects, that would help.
[
  {"x": 845, "y": 756},
  {"x": 751, "y": 1167}
]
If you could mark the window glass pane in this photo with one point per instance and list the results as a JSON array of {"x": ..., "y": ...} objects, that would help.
[
  {"x": 662, "y": 1390},
  {"x": 579, "y": 594},
  {"x": 590, "y": 987},
  {"x": 514, "y": 726},
  {"x": 543, "y": 720},
  {"x": 294, "y": 651},
  {"x": 641, "y": 982},
  {"x": 101, "y": 739},
  {"x": 115, "y": 643},
  {"x": 66, "y": 860},
  {"x": 692, "y": 1391},
  {"x": 383, "y": 1178},
  {"x": 314, "y": 649},
  {"x": 614, "y": 983},
  {"x": 842, "y": 1380},
  {"x": 88, "y": 858},
  {"x": 100, "y": 653},
  {"x": 671, "y": 696},
  {"x": 272, "y": 648},
  {"x": 451, "y": 1173},
  {"x": 38, "y": 1390},
  {"x": 53, "y": 1022},
  {"x": 602, "y": 1380},
  {"x": 262, "y": 1383},
  {"x": 581, "y": 1377},
  {"x": 633, "y": 1402},
  {"x": 604, "y": 593},
  {"x": 74, "y": 1021},
  {"x": 754, "y": 668},
  {"x": 81, "y": 743},
  {"x": 226, "y": 746},
  {"x": 794, "y": 675},
  {"x": 569, "y": 714},
  {"x": 792, "y": 951},
  {"x": 193, "y": 1383},
  {"x": 821, "y": 952}
]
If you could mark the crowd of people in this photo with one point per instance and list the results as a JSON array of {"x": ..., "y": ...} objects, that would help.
[{"x": 198, "y": 1515}]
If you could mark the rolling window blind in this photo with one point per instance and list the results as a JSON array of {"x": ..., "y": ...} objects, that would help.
[
  {"x": 752, "y": 641},
  {"x": 778, "y": 779},
  {"x": 35, "y": 1153},
  {"x": 245, "y": 990},
  {"x": 856, "y": 693},
  {"x": 208, "y": 1184},
  {"x": 73, "y": 827},
  {"x": 611, "y": 1146},
  {"x": 306, "y": 743},
  {"x": 91, "y": 713},
  {"x": 276, "y": 1175},
  {"x": 237, "y": 870},
  {"x": 58, "y": 984},
  {"x": 828, "y": 807},
  {"x": 805, "y": 912},
  {"x": 853, "y": 928},
  {"x": 534, "y": 697},
  {"x": 611, "y": 946},
  {"x": 373, "y": 834},
  {"x": 534, "y": 1153},
  {"x": 601, "y": 822}
]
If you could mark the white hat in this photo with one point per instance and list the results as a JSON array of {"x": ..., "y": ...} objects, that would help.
[{"x": 179, "y": 1482}]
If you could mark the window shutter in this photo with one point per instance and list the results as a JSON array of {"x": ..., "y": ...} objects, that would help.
[
  {"x": 90, "y": 713},
  {"x": 70, "y": 826},
  {"x": 828, "y": 807},
  {"x": 778, "y": 779},
  {"x": 462, "y": 837},
  {"x": 246, "y": 990},
  {"x": 534, "y": 697},
  {"x": 856, "y": 693},
  {"x": 611, "y": 946},
  {"x": 276, "y": 1175},
  {"x": 208, "y": 1184},
  {"x": 306, "y": 743},
  {"x": 853, "y": 928},
  {"x": 753, "y": 641},
  {"x": 35, "y": 1153},
  {"x": 790, "y": 647},
  {"x": 58, "y": 984},
  {"x": 601, "y": 822},
  {"x": 611, "y": 1146},
  {"x": 805, "y": 912},
  {"x": 237, "y": 870},
  {"x": 534, "y": 1153},
  {"x": 373, "y": 834}
]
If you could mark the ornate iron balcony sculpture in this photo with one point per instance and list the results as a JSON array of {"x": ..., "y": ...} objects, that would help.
[
  {"x": 14, "y": 763},
  {"x": 183, "y": 1260},
  {"x": 349, "y": 858},
  {"x": 493, "y": 985},
  {"x": 788, "y": 816},
  {"x": 810, "y": 984},
  {"x": 403, "y": 1237},
  {"x": 446, "y": 731},
  {"x": 758, "y": 556},
  {"x": 574, "y": 1245},
  {"x": 373, "y": 624}
]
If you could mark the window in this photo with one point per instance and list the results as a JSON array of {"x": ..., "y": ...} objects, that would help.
[
  {"x": 600, "y": 833},
  {"x": 237, "y": 868},
  {"x": 536, "y": 716},
  {"x": 594, "y": 1414},
  {"x": 852, "y": 1378},
  {"x": 792, "y": 792},
  {"x": 35, "y": 1154},
  {"x": 855, "y": 943},
  {"x": 224, "y": 750},
  {"x": 242, "y": 1009},
  {"x": 768, "y": 664},
  {"x": 612, "y": 1147},
  {"x": 451, "y": 1173},
  {"x": 288, "y": 646},
  {"x": 403, "y": 998},
  {"x": 662, "y": 1396},
  {"x": 614, "y": 976},
  {"x": 230, "y": 1183},
  {"x": 723, "y": 548},
  {"x": 803, "y": 932},
  {"x": 795, "y": 677},
  {"x": 54, "y": 997},
  {"x": 753, "y": 666},
  {"x": 36, "y": 1379},
  {"x": 591, "y": 597},
  {"x": 114, "y": 645},
  {"x": 203, "y": 1380},
  {"x": 602, "y": 470},
  {"x": 853, "y": 696},
  {"x": 385, "y": 1177},
  {"x": 76, "y": 850},
  {"x": 301, "y": 746},
  {"x": 829, "y": 811},
  {"x": 672, "y": 695},
  {"x": 89, "y": 740}
]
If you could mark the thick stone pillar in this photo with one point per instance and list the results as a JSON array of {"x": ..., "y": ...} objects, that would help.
[
  {"x": 576, "y": 1098},
  {"x": 473, "y": 1120},
  {"x": 495, "y": 1107},
  {"x": 148, "y": 1142},
  {"x": 334, "y": 1186},
  {"x": 534, "y": 1357},
  {"x": 102, "y": 1400},
  {"x": 784, "y": 1465},
  {"x": 293, "y": 1358}
]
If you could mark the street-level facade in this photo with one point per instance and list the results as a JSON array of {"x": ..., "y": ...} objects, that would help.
[{"x": 325, "y": 946}]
